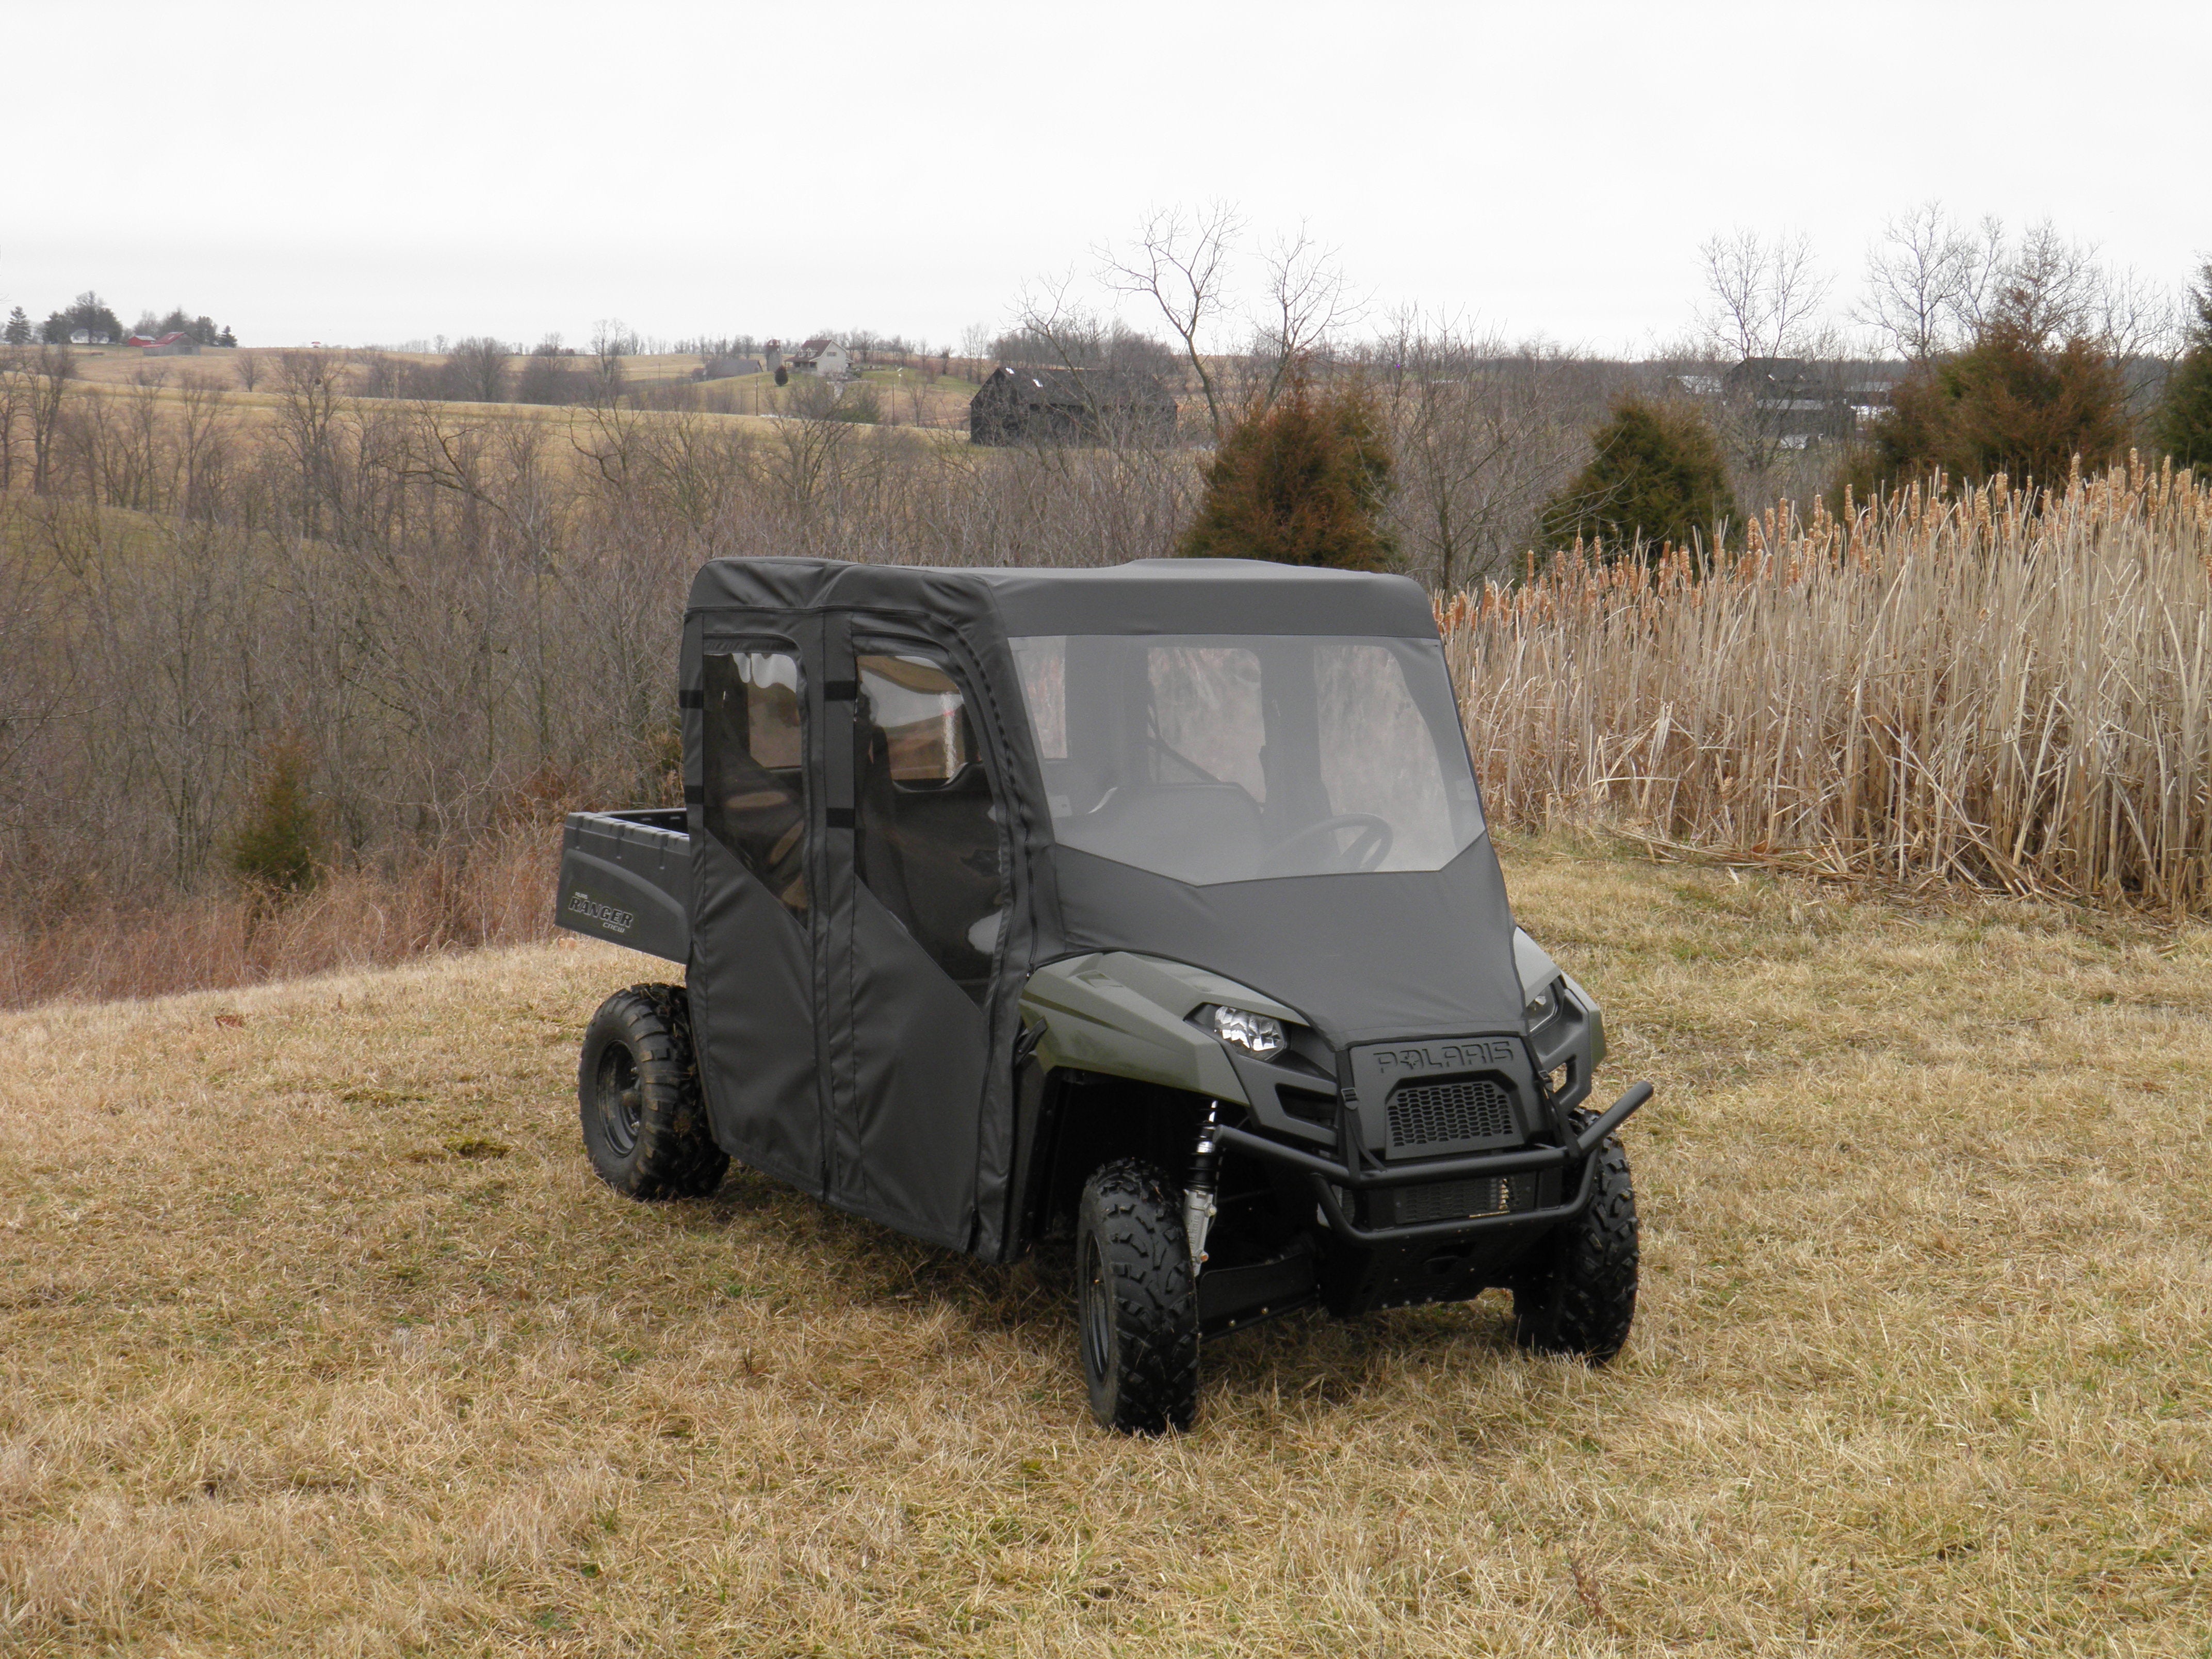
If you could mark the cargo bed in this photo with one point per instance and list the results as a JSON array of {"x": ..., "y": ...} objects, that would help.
[{"x": 626, "y": 878}]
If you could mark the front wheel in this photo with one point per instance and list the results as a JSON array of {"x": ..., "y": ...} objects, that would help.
[
  {"x": 1576, "y": 1293},
  {"x": 637, "y": 1091},
  {"x": 1136, "y": 1301}
]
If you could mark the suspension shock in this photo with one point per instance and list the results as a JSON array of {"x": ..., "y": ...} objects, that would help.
[{"x": 1198, "y": 1208}]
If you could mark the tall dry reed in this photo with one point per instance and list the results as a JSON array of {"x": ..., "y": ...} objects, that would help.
[{"x": 2006, "y": 686}]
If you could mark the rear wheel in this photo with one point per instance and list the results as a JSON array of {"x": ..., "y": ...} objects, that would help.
[
  {"x": 1576, "y": 1294},
  {"x": 1136, "y": 1301},
  {"x": 637, "y": 1091}
]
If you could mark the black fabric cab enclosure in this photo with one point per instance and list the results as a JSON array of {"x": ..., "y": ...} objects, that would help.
[{"x": 909, "y": 788}]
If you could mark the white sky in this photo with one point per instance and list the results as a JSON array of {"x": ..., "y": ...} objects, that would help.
[{"x": 389, "y": 171}]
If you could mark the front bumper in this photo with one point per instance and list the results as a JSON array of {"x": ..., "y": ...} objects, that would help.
[{"x": 1351, "y": 1173}]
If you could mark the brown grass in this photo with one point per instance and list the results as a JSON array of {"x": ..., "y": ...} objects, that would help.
[
  {"x": 494, "y": 892},
  {"x": 2008, "y": 688},
  {"x": 318, "y": 1337}
]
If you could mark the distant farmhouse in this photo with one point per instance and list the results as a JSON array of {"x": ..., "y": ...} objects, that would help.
[
  {"x": 822, "y": 358},
  {"x": 177, "y": 343},
  {"x": 1803, "y": 402},
  {"x": 1018, "y": 405},
  {"x": 88, "y": 337}
]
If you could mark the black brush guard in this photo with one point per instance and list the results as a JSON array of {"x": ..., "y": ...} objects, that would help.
[{"x": 1352, "y": 1173}]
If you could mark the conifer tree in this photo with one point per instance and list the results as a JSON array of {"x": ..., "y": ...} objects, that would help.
[
  {"x": 2185, "y": 415},
  {"x": 2021, "y": 400},
  {"x": 1305, "y": 481},
  {"x": 276, "y": 849},
  {"x": 1657, "y": 475}
]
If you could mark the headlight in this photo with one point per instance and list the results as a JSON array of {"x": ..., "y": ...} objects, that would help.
[
  {"x": 1544, "y": 1004},
  {"x": 1256, "y": 1034}
]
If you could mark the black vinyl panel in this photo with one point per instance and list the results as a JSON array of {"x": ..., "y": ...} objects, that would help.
[
  {"x": 919, "y": 1051},
  {"x": 1405, "y": 953},
  {"x": 752, "y": 1013}
]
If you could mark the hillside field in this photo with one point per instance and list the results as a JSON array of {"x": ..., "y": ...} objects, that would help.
[
  {"x": 317, "y": 1336},
  {"x": 909, "y": 398}
]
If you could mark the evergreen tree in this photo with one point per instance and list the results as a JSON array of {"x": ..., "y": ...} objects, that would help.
[
  {"x": 277, "y": 847},
  {"x": 18, "y": 331},
  {"x": 2017, "y": 401},
  {"x": 1657, "y": 475},
  {"x": 2184, "y": 414},
  {"x": 1305, "y": 483}
]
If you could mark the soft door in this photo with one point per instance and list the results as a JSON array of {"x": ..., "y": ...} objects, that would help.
[
  {"x": 923, "y": 879},
  {"x": 754, "y": 909}
]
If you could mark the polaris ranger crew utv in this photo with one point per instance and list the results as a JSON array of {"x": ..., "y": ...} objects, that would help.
[{"x": 1150, "y": 906}]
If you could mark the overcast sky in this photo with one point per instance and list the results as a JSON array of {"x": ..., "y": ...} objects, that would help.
[{"x": 380, "y": 173}]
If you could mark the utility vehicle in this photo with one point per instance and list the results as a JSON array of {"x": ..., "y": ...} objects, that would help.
[{"x": 1150, "y": 908}]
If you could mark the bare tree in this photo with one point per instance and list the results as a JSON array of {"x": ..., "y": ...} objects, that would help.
[
  {"x": 2052, "y": 287},
  {"x": 476, "y": 370},
  {"x": 202, "y": 442},
  {"x": 1179, "y": 263},
  {"x": 15, "y": 403},
  {"x": 1762, "y": 296},
  {"x": 1307, "y": 301},
  {"x": 246, "y": 366},
  {"x": 52, "y": 368},
  {"x": 2140, "y": 316},
  {"x": 1929, "y": 281},
  {"x": 1482, "y": 434},
  {"x": 611, "y": 341},
  {"x": 306, "y": 436},
  {"x": 1762, "y": 316}
]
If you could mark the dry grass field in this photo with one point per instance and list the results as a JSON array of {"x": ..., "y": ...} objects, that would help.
[
  {"x": 910, "y": 398},
  {"x": 318, "y": 1337}
]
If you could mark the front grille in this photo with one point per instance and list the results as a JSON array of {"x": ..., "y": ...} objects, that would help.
[
  {"x": 1429, "y": 1113},
  {"x": 1449, "y": 1200}
]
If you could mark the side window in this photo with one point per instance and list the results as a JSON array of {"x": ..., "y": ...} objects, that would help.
[
  {"x": 926, "y": 840},
  {"x": 754, "y": 762}
]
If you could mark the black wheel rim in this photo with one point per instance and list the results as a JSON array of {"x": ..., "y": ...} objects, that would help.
[
  {"x": 1096, "y": 1313},
  {"x": 619, "y": 1107}
]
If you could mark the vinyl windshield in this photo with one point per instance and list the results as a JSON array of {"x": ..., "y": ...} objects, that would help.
[{"x": 1222, "y": 757}]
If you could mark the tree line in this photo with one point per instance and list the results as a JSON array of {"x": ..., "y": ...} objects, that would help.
[
  {"x": 92, "y": 315},
  {"x": 1980, "y": 357}
]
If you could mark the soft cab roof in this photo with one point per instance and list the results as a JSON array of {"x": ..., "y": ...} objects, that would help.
[{"x": 1150, "y": 596}]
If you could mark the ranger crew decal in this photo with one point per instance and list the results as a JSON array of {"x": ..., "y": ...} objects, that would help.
[{"x": 614, "y": 921}]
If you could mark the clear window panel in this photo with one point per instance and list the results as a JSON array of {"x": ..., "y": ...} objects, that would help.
[
  {"x": 755, "y": 754},
  {"x": 1241, "y": 758},
  {"x": 927, "y": 837}
]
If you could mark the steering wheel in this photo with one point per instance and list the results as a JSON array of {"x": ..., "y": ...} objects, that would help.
[{"x": 1366, "y": 850}]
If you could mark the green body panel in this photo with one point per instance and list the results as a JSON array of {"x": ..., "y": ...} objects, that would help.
[{"x": 1128, "y": 1016}]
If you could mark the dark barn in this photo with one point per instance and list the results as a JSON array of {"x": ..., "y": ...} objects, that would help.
[{"x": 1070, "y": 406}]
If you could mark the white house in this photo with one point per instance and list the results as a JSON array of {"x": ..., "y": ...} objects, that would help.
[{"x": 820, "y": 356}]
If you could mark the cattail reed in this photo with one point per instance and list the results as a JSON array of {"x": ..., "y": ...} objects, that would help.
[{"x": 2004, "y": 686}]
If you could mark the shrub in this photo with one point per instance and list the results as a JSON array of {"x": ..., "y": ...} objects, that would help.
[
  {"x": 859, "y": 403},
  {"x": 2016, "y": 402},
  {"x": 1305, "y": 481},
  {"x": 1657, "y": 476},
  {"x": 278, "y": 844}
]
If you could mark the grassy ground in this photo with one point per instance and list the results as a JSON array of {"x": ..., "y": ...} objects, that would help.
[
  {"x": 944, "y": 397},
  {"x": 318, "y": 1337}
]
